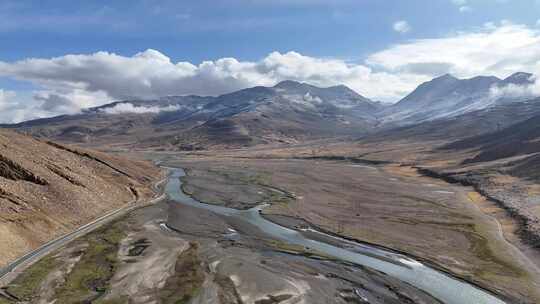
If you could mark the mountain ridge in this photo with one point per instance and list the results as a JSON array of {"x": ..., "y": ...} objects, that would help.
[
  {"x": 448, "y": 96},
  {"x": 290, "y": 112}
]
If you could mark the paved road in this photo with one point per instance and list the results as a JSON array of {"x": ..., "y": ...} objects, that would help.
[{"x": 63, "y": 240}]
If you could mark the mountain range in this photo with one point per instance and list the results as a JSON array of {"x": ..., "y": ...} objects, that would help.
[
  {"x": 286, "y": 113},
  {"x": 292, "y": 112},
  {"x": 469, "y": 124},
  {"x": 448, "y": 96}
]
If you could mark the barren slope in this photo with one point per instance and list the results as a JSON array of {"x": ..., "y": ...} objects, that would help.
[{"x": 47, "y": 189}]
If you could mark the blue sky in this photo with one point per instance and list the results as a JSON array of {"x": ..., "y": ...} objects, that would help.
[
  {"x": 352, "y": 41},
  {"x": 244, "y": 29}
]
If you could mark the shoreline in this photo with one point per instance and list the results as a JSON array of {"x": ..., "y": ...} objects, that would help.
[{"x": 424, "y": 261}]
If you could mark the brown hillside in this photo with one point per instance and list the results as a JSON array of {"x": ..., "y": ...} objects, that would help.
[{"x": 48, "y": 189}]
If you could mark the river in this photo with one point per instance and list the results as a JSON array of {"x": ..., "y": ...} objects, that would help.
[{"x": 440, "y": 285}]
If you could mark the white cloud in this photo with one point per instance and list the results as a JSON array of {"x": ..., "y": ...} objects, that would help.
[
  {"x": 513, "y": 90},
  {"x": 462, "y": 5},
  {"x": 123, "y": 108},
  {"x": 69, "y": 101},
  {"x": 13, "y": 109},
  {"x": 495, "y": 49},
  {"x": 401, "y": 26},
  {"x": 5, "y": 96},
  {"x": 465, "y": 9}
]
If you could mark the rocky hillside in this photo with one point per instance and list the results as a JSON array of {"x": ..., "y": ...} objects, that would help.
[
  {"x": 47, "y": 189},
  {"x": 519, "y": 139},
  {"x": 448, "y": 96},
  {"x": 518, "y": 147},
  {"x": 466, "y": 125}
]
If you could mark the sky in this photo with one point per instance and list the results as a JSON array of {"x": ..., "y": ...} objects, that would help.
[{"x": 58, "y": 57}]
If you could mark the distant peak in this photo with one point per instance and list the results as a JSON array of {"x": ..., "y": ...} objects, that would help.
[
  {"x": 519, "y": 77},
  {"x": 287, "y": 84},
  {"x": 446, "y": 76},
  {"x": 488, "y": 78},
  {"x": 341, "y": 87}
]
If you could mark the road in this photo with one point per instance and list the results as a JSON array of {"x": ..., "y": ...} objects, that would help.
[{"x": 45, "y": 249}]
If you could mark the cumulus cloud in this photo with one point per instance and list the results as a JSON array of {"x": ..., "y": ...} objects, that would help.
[
  {"x": 5, "y": 96},
  {"x": 151, "y": 73},
  {"x": 13, "y": 109},
  {"x": 123, "y": 108},
  {"x": 57, "y": 103},
  {"x": 401, "y": 26},
  {"x": 515, "y": 91},
  {"x": 494, "y": 49}
]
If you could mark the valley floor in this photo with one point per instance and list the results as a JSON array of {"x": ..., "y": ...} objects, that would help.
[
  {"x": 449, "y": 226},
  {"x": 171, "y": 253},
  {"x": 168, "y": 253}
]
